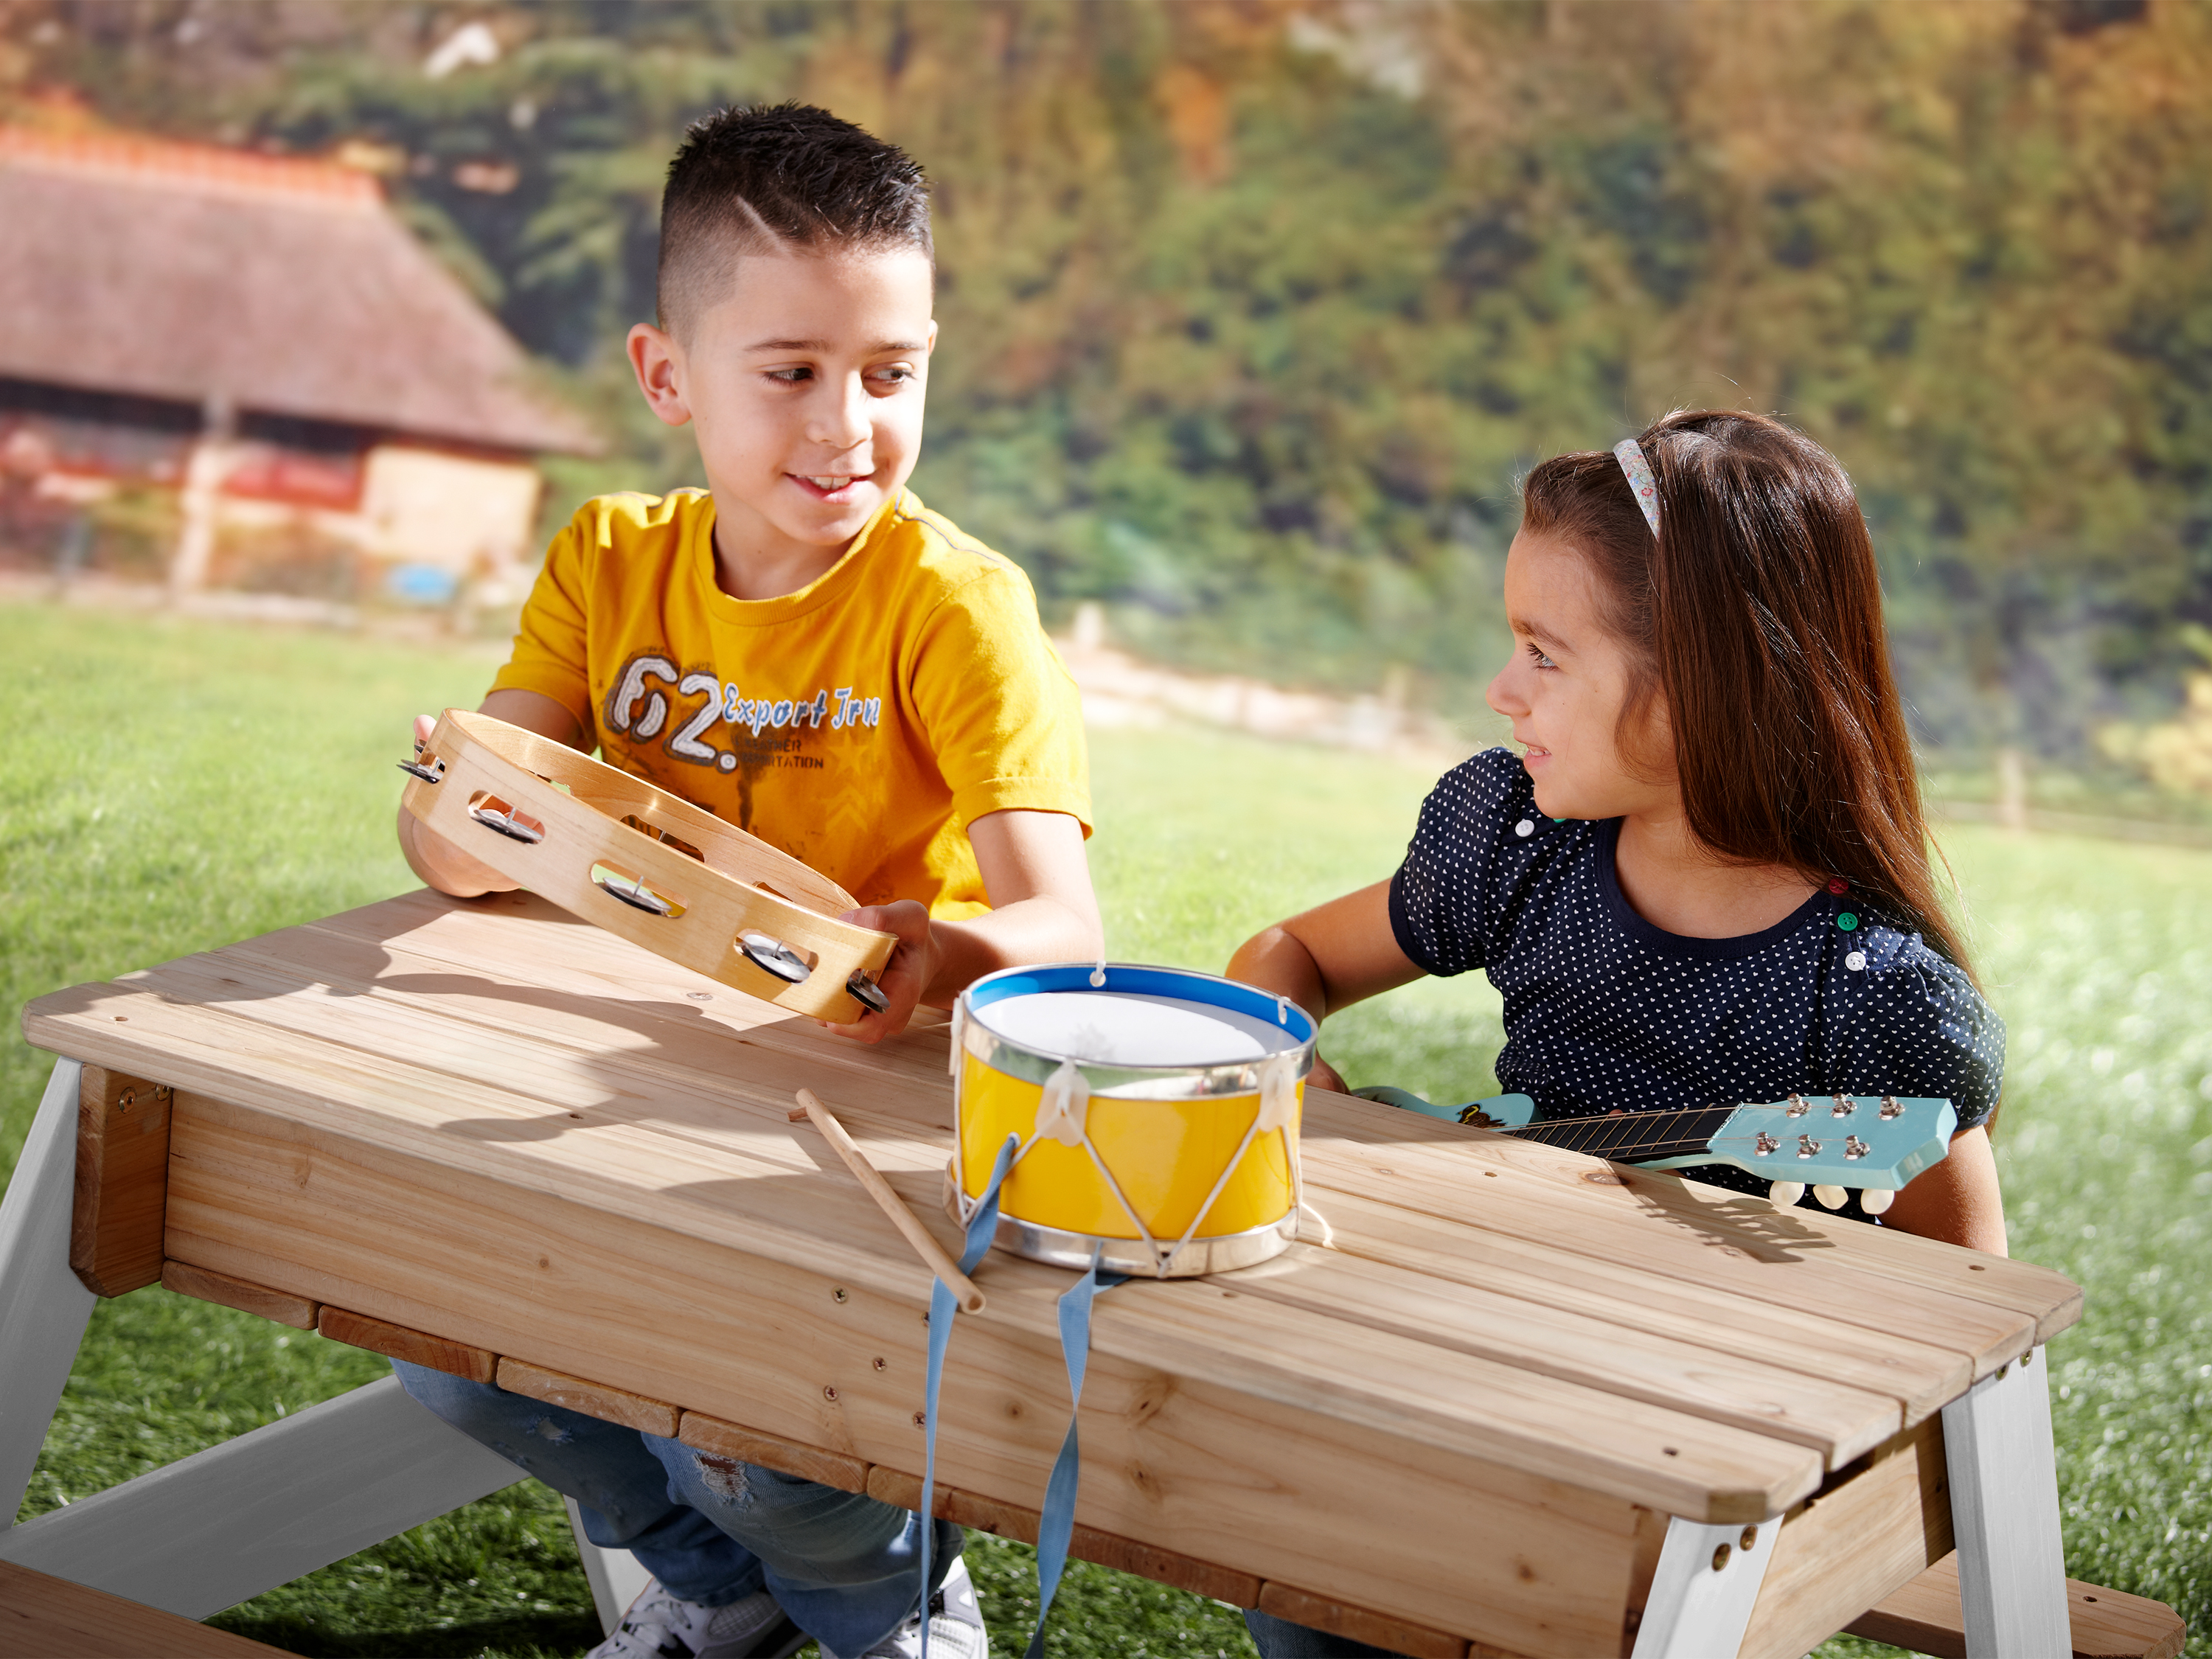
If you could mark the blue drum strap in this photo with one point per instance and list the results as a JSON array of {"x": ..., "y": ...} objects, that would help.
[
  {"x": 942, "y": 1309},
  {"x": 1057, "y": 1525}
]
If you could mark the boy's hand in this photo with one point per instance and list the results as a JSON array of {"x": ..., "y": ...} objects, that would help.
[
  {"x": 439, "y": 862},
  {"x": 915, "y": 960}
]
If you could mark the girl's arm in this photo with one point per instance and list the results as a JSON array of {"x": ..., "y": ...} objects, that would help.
[
  {"x": 1957, "y": 1200},
  {"x": 1330, "y": 957}
]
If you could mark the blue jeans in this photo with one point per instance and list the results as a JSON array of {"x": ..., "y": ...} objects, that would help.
[
  {"x": 844, "y": 1566},
  {"x": 1279, "y": 1638}
]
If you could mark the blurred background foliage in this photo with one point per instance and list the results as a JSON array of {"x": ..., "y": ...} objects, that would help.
[{"x": 1254, "y": 309}]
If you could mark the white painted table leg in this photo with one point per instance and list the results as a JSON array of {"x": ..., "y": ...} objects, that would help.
[
  {"x": 1703, "y": 1593},
  {"x": 617, "y": 1578},
  {"x": 43, "y": 1305},
  {"x": 2004, "y": 1514}
]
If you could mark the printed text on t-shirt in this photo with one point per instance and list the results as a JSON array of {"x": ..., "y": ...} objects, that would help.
[{"x": 638, "y": 707}]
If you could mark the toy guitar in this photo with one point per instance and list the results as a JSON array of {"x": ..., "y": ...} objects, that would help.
[{"x": 1876, "y": 1143}]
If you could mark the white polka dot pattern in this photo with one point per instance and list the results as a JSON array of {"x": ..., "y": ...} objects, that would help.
[{"x": 1605, "y": 1012}]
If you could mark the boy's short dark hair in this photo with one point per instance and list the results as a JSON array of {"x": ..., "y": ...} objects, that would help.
[{"x": 765, "y": 177}]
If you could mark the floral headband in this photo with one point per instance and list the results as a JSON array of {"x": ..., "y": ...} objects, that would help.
[{"x": 1630, "y": 454}]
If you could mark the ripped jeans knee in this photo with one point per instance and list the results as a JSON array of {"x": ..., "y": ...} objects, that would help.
[
  {"x": 602, "y": 1466},
  {"x": 801, "y": 1526}
]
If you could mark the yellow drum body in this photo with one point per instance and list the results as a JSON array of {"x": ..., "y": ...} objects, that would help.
[{"x": 1168, "y": 1169}]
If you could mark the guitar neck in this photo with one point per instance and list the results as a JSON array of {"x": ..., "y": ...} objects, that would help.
[{"x": 1634, "y": 1137}]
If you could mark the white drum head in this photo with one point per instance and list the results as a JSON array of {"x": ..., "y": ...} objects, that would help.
[{"x": 1100, "y": 1028}]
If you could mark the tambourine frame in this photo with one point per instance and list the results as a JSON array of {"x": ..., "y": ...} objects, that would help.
[{"x": 644, "y": 864}]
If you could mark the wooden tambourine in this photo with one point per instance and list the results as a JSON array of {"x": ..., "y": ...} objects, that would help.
[{"x": 617, "y": 852}]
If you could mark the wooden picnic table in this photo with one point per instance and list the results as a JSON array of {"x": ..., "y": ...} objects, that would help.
[{"x": 1521, "y": 1402}]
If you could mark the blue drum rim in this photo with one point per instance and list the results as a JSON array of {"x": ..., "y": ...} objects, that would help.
[{"x": 1184, "y": 1082}]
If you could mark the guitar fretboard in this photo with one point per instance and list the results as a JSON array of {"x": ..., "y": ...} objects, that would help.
[{"x": 1634, "y": 1137}]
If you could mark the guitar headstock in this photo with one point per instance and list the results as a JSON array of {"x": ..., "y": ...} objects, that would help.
[{"x": 1876, "y": 1143}]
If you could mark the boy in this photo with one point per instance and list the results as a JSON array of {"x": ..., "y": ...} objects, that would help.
[{"x": 806, "y": 650}]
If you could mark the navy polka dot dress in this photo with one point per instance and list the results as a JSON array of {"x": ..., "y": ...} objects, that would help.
[{"x": 1605, "y": 1012}]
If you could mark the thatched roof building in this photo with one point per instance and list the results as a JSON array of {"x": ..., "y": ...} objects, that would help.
[{"x": 253, "y": 327}]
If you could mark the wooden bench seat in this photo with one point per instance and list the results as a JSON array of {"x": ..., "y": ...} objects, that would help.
[
  {"x": 2107, "y": 1624},
  {"x": 42, "y": 1616}
]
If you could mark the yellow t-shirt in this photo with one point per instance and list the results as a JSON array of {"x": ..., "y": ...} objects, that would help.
[{"x": 860, "y": 724}]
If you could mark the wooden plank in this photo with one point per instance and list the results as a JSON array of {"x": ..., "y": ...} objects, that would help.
[
  {"x": 122, "y": 1182},
  {"x": 1724, "y": 1217},
  {"x": 41, "y": 1616},
  {"x": 724, "y": 1439},
  {"x": 1684, "y": 1229},
  {"x": 1924, "y": 1616},
  {"x": 479, "y": 954},
  {"x": 1666, "y": 1461},
  {"x": 398, "y": 1342},
  {"x": 1865, "y": 1532},
  {"x": 968, "y": 1509},
  {"x": 1838, "y": 1421},
  {"x": 1919, "y": 1376},
  {"x": 632, "y": 1411},
  {"x": 278, "y": 1305},
  {"x": 1196, "y": 1467},
  {"x": 1392, "y": 1635}
]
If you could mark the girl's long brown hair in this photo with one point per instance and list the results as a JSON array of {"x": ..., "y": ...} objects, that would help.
[{"x": 1756, "y": 614}]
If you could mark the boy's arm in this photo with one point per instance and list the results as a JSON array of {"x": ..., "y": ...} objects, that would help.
[
  {"x": 436, "y": 860},
  {"x": 1043, "y": 909},
  {"x": 1330, "y": 957}
]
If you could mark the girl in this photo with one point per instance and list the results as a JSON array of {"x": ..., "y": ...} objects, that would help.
[{"x": 1706, "y": 876}]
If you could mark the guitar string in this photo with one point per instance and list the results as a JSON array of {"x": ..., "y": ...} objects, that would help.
[{"x": 1645, "y": 1134}]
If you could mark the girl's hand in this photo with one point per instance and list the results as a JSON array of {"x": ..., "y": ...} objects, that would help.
[
  {"x": 1340, "y": 953},
  {"x": 1325, "y": 1076},
  {"x": 913, "y": 969}
]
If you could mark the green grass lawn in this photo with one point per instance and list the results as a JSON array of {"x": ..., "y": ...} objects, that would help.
[{"x": 173, "y": 786}]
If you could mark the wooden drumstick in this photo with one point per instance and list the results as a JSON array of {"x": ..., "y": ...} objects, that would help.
[{"x": 926, "y": 1245}]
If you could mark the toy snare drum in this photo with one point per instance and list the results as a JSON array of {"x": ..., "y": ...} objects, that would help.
[{"x": 1155, "y": 1112}]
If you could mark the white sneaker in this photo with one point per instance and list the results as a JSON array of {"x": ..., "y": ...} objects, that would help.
[
  {"x": 956, "y": 1625},
  {"x": 659, "y": 1626}
]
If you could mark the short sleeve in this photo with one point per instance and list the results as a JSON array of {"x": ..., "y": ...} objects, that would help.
[
  {"x": 1923, "y": 1030},
  {"x": 998, "y": 707},
  {"x": 1439, "y": 898},
  {"x": 550, "y": 646}
]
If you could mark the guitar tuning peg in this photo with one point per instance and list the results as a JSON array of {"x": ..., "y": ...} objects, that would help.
[
  {"x": 1786, "y": 1193},
  {"x": 1831, "y": 1197},
  {"x": 1875, "y": 1199}
]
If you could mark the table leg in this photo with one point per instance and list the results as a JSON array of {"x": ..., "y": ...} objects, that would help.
[
  {"x": 617, "y": 1578},
  {"x": 226, "y": 1523},
  {"x": 2004, "y": 1513},
  {"x": 1702, "y": 1595},
  {"x": 43, "y": 1306},
  {"x": 210, "y": 1530}
]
